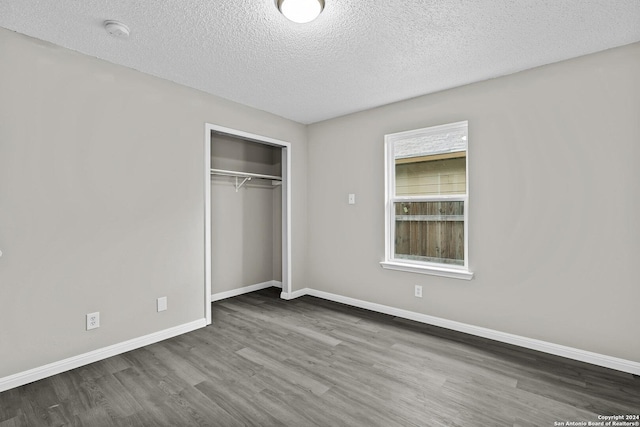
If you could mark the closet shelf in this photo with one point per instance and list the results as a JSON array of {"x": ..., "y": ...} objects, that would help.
[{"x": 275, "y": 180}]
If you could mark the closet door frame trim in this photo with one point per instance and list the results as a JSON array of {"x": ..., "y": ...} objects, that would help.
[{"x": 286, "y": 205}]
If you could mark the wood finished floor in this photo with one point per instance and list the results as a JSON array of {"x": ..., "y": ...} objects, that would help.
[{"x": 310, "y": 362}]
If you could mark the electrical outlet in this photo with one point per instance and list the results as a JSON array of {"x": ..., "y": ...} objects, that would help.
[
  {"x": 418, "y": 291},
  {"x": 93, "y": 320},
  {"x": 162, "y": 303}
]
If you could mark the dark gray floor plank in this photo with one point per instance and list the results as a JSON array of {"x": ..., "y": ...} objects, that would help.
[{"x": 16, "y": 421}]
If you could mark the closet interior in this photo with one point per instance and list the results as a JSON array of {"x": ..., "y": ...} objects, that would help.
[{"x": 246, "y": 214}]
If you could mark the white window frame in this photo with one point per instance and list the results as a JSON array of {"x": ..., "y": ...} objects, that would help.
[{"x": 414, "y": 266}]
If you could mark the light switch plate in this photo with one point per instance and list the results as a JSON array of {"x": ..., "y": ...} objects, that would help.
[{"x": 162, "y": 303}]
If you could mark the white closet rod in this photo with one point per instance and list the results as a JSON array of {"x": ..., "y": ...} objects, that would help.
[
  {"x": 244, "y": 174},
  {"x": 275, "y": 180}
]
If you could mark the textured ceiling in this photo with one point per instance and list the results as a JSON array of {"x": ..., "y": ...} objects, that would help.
[{"x": 358, "y": 54}]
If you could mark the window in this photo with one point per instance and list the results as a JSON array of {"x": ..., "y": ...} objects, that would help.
[{"x": 427, "y": 191}]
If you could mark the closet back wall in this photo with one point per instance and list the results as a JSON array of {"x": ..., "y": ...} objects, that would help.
[{"x": 246, "y": 241}]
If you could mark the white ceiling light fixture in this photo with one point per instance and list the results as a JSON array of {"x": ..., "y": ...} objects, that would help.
[
  {"x": 117, "y": 29},
  {"x": 301, "y": 11}
]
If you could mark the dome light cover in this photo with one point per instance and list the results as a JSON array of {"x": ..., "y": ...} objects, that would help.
[{"x": 301, "y": 11}]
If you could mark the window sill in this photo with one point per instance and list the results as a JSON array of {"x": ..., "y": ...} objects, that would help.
[{"x": 423, "y": 269}]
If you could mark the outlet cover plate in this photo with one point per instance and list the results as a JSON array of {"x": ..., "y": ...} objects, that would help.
[{"x": 93, "y": 320}]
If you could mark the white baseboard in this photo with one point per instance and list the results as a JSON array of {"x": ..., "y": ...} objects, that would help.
[
  {"x": 244, "y": 290},
  {"x": 54, "y": 368},
  {"x": 294, "y": 294},
  {"x": 35, "y": 374},
  {"x": 534, "y": 344}
]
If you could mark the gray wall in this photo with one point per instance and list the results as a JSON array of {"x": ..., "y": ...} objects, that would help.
[
  {"x": 554, "y": 230},
  {"x": 102, "y": 200},
  {"x": 245, "y": 225}
]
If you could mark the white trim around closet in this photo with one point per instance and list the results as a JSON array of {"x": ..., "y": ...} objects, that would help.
[
  {"x": 207, "y": 222},
  {"x": 286, "y": 204}
]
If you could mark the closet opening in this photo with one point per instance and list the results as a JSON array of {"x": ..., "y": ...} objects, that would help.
[{"x": 247, "y": 214}]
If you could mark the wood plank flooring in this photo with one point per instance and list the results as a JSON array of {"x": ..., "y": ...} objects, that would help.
[{"x": 310, "y": 362}]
